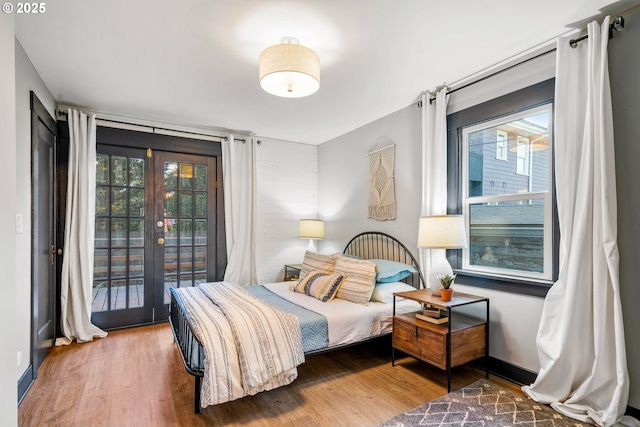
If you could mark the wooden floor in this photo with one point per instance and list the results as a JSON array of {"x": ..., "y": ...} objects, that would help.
[{"x": 136, "y": 378}]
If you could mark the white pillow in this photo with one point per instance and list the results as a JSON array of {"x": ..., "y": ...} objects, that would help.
[{"x": 383, "y": 292}]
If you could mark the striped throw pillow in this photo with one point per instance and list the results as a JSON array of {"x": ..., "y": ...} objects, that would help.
[
  {"x": 360, "y": 279},
  {"x": 317, "y": 262},
  {"x": 320, "y": 285}
]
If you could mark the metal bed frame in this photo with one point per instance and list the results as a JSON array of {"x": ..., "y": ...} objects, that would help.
[{"x": 367, "y": 245}]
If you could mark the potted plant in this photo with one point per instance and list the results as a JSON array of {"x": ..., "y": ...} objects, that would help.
[{"x": 445, "y": 282}]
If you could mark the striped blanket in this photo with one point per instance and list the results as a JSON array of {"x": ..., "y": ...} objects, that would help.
[{"x": 249, "y": 346}]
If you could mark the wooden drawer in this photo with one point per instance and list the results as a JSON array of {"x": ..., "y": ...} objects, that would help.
[
  {"x": 433, "y": 348},
  {"x": 468, "y": 344},
  {"x": 420, "y": 342},
  {"x": 405, "y": 337}
]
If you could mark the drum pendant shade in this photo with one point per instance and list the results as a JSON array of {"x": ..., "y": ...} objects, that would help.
[{"x": 289, "y": 70}]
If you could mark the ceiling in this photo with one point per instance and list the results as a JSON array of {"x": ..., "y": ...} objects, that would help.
[{"x": 195, "y": 62}]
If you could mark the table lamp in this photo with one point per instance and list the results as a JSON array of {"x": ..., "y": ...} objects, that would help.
[
  {"x": 311, "y": 229},
  {"x": 441, "y": 232}
]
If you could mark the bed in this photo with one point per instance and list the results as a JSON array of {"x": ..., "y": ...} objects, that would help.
[{"x": 323, "y": 326}]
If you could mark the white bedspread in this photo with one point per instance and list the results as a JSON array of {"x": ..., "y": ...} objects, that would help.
[
  {"x": 249, "y": 346},
  {"x": 348, "y": 322}
]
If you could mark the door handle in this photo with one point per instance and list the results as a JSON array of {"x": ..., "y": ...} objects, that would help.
[
  {"x": 55, "y": 252},
  {"x": 160, "y": 240}
]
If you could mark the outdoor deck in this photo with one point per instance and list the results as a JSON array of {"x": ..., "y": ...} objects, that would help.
[{"x": 100, "y": 298}]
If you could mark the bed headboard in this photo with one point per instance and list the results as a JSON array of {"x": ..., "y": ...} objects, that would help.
[{"x": 378, "y": 245}]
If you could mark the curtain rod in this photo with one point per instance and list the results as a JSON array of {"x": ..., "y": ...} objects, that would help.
[
  {"x": 154, "y": 128},
  {"x": 495, "y": 73},
  {"x": 618, "y": 25}
]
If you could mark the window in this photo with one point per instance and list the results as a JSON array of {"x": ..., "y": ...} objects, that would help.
[
  {"x": 522, "y": 163},
  {"x": 501, "y": 180},
  {"x": 506, "y": 223},
  {"x": 501, "y": 145}
]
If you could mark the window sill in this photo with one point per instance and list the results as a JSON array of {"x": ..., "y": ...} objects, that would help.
[{"x": 514, "y": 285}]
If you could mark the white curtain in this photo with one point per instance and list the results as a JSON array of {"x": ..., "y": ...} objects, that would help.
[
  {"x": 434, "y": 168},
  {"x": 580, "y": 341},
  {"x": 77, "y": 265},
  {"x": 239, "y": 176}
]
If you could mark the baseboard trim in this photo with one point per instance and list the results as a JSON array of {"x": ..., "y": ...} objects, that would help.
[
  {"x": 508, "y": 371},
  {"x": 24, "y": 383},
  {"x": 635, "y": 413}
]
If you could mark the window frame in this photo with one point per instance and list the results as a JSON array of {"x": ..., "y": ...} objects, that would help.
[
  {"x": 523, "y": 152},
  {"x": 468, "y": 200},
  {"x": 503, "y": 106},
  {"x": 502, "y": 145}
]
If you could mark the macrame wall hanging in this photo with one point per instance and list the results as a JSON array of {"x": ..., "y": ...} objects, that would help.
[{"x": 382, "y": 193}]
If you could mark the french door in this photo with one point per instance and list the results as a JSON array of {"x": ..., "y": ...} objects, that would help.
[
  {"x": 156, "y": 228},
  {"x": 184, "y": 228}
]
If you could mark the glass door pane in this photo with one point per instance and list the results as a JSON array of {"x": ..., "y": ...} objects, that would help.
[
  {"x": 185, "y": 214},
  {"x": 120, "y": 279}
]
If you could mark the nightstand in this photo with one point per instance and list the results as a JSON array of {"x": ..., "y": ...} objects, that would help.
[
  {"x": 460, "y": 340},
  {"x": 292, "y": 271}
]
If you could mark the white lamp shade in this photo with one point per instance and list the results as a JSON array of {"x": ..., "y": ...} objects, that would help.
[
  {"x": 289, "y": 70},
  {"x": 442, "y": 232},
  {"x": 311, "y": 229}
]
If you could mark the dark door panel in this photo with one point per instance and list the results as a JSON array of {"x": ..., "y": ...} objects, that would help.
[
  {"x": 185, "y": 226},
  {"x": 44, "y": 258}
]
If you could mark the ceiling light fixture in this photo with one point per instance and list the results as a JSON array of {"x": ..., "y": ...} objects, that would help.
[{"x": 289, "y": 69}]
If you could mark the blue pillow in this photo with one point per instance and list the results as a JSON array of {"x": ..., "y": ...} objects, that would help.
[
  {"x": 352, "y": 256},
  {"x": 392, "y": 271}
]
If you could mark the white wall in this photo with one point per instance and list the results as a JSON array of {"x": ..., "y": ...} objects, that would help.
[
  {"x": 513, "y": 327},
  {"x": 27, "y": 79},
  {"x": 344, "y": 173},
  {"x": 8, "y": 389},
  {"x": 287, "y": 180}
]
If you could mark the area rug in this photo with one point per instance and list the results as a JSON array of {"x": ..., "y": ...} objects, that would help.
[{"x": 482, "y": 403}]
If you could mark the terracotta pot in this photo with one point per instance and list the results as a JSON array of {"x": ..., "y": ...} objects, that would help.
[{"x": 446, "y": 294}]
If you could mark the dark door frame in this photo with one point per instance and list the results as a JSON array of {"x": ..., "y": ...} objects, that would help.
[{"x": 39, "y": 114}]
